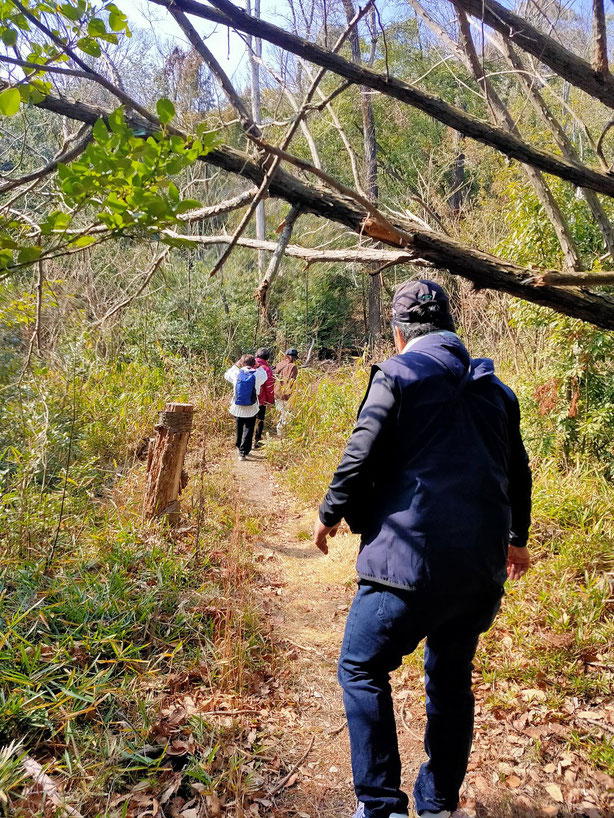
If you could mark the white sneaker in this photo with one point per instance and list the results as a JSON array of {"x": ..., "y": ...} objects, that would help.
[
  {"x": 242, "y": 457},
  {"x": 360, "y": 813}
]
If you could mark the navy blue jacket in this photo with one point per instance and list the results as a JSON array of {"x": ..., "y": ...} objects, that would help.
[{"x": 435, "y": 476}]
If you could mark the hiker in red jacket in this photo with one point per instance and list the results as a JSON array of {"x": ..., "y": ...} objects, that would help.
[{"x": 266, "y": 396}]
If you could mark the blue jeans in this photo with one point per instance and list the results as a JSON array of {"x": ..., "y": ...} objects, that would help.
[{"x": 384, "y": 625}]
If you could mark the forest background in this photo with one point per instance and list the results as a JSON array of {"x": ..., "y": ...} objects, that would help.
[{"x": 122, "y": 313}]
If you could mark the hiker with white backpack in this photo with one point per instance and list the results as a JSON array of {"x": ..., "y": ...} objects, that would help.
[{"x": 247, "y": 381}]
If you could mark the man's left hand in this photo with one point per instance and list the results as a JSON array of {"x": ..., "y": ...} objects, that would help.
[
  {"x": 321, "y": 532},
  {"x": 518, "y": 562}
]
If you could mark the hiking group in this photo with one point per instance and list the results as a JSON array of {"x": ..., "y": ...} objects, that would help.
[
  {"x": 436, "y": 480},
  {"x": 256, "y": 386}
]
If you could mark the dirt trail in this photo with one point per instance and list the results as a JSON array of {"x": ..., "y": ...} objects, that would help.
[{"x": 309, "y": 600}]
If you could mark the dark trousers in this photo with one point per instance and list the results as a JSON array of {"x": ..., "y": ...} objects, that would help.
[
  {"x": 260, "y": 423},
  {"x": 245, "y": 433},
  {"x": 383, "y": 625}
]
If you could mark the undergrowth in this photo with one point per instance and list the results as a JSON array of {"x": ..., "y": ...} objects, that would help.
[{"x": 118, "y": 637}]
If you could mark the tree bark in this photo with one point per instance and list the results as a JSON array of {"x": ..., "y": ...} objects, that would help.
[
  {"x": 255, "y": 56},
  {"x": 264, "y": 287},
  {"x": 370, "y": 177},
  {"x": 600, "y": 58},
  {"x": 502, "y": 116},
  {"x": 165, "y": 476},
  {"x": 471, "y": 126},
  {"x": 484, "y": 269}
]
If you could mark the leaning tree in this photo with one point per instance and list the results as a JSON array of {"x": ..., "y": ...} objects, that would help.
[{"x": 114, "y": 176}]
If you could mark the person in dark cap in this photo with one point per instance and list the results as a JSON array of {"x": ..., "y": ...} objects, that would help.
[
  {"x": 436, "y": 480},
  {"x": 266, "y": 395},
  {"x": 285, "y": 378}
]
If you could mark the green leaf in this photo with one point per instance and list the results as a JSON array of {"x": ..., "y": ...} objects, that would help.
[
  {"x": 165, "y": 109},
  {"x": 28, "y": 254},
  {"x": 9, "y": 36},
  {"x": 173, "y": 193},
  {"x": 177, "y": 143},
  {"x": 185, "y": 205},
  {"x": 83, "y": 241},
  {"x": 100, "y": 131},
  {"x": 96, "y": 27},
  {"x": 6, "y": 259},
  {"x": 10, "y": 101},
  {"x": 89, "y": 46},
  {"x": 117, "y": 21},
  {"x": 71, "y": 12},
  {"x": 116, "y": 121}
]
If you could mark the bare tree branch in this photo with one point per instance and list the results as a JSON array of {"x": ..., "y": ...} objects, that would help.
[
  {"x": 600, "y": 57},
  {"x": 149, "y": 274},
  {"x": 359, "y": 254},
  {"x": 471, "y": 126},
  {"x": 227, "y": 85},
  {"x": 216, "y": 69},
  {"x": 66, "y": 154},
  {"x": 546, "y": 49},
  {"x": 87, "y": 69},
  {"x": 483, "y": 269},
  {"x": 560, "y": 137},
  {"x": 264, "y": 287},
  {"x": 501, "y": 115},
  {"x": 221, "y": 207}
]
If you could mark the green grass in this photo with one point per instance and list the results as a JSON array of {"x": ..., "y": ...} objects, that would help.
[{"x": 105, "y": 619}]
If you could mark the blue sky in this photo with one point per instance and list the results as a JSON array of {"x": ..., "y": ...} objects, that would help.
[{"x": 229, "y": 48}]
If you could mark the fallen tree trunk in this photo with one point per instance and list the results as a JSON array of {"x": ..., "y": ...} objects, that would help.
[
  {"x": 492, "y": 135},
  {"x": 546, "y": 49},
  {"x": 483, "y": 269}
]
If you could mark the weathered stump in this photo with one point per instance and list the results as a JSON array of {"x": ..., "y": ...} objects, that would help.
[{"x": 165, "y": 476}]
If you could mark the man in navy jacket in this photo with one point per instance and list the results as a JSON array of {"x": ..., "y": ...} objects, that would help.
[{"x": 436, "y": 479}]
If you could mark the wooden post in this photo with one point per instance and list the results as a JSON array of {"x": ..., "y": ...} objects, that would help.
[{"x": 165, "y": 461}]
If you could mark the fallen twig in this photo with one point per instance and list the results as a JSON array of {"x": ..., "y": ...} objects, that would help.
[
  {"x": 411, "y": 732},
  {"x": 281, "y": 784},
  {"x": 300, "y": 647}
]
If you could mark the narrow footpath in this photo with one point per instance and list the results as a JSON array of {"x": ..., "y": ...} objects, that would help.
[{"x": 308, "y": 598}]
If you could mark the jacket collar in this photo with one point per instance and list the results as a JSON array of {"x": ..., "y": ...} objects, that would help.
[{"x": 415, "y": 341}]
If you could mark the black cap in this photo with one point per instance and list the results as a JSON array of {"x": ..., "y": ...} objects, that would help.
[
  {"x": 412, "y": 295},
  {"x": 293, "y": 353}
]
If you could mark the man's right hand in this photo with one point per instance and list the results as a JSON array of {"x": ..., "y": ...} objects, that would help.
[
  {"x": 321, "y": 532},
  {"x": 518, "y": 561}
]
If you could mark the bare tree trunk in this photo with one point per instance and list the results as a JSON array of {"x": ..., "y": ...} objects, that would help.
[
  {"x": 370, "y": 173},
  {"x": 502, "y": 116},
  {"x": 255, "y": 57},
  {"x": 560, "y": 137},
  {"x": 165, "y": 475},
  {"x": 458, "y": 179},
  {"x": 264, "y": 287},
  {"x": 600, "y": 58}
]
